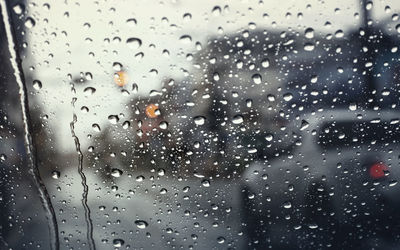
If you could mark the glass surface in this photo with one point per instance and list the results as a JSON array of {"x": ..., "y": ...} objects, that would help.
[{"x": 199, "y": 124}]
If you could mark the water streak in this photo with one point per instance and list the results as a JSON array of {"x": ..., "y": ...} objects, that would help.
[
  {"x": 89, "y": 223},
  {"x": 29, "y": 146}
]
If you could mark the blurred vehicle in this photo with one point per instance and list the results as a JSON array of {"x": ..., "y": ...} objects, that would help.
[{"x": 337, "y": 189}]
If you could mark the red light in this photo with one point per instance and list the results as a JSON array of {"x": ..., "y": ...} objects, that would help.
[{"x": 378, "y": 170}]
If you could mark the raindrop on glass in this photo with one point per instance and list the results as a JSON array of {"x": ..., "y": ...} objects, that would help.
[
  {"x": 141, "y": 224},
  {"x": 113, "y": 119},
  {"x": 89, "y": 91},
  {"x": 237, "y": 119},
  {"x": 37, "y": 84},
  {"x": 55, "y": 174},
  {"x": 134, "y": 43},
  {"x": 118, "y": 242},
  {"x": 115, "y": 172},
  {"x": 257, "y": 78},
  {"x": 199, "y": 120},
  {"x": 30, "y": 22}
]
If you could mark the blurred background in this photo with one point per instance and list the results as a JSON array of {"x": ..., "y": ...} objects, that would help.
[{"x": 164, "y": 105}]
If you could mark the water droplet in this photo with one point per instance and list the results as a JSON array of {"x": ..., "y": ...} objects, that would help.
[
  {"x": 287, "y": 97},
  {"x": 185, "y": 39},
  {"x": 134, "y": 43},
  {"x": 269, "y": 137},
  {"x": 88, "y": 76},
  {"x": 339, "y": 34},
  {"x": 126, "y": 125},
  {"x": 161, "y": 172},
  {"x": 163, "y": 125},
  {"x": 352, "y": 106},
  {"x": 271, "y": 98},
  {"x": 152, "y": 111},
  {"x": 117, "y": 66},
  {"x": 115, "y": 172},
  {"x": 166, "y": 53},
  {"x": 37, "y": 84},
  {"x": 113, "y": 119},
  {"x": 140, "y": 178},
  {"x": 369, "y": 5},
  {"x": 131, "y": 22},
  {"x": 287, "y": 204},
  {"x": 135, "y": 88},
  {"x": 3, "y": 157},
  {"x": 18, "y": 9},
  {"x": 205, "y": 183},
  {"x": 398, "y": 28},
  {"x": 237, "y": 119},
  {"x": 118, "y": 242},
  {"x": 120, "y": 78},
  {"x": 239, "y": 43},
  {"x": 187, "y": 16},
  {"x": 257, "y": 78},
  {"x": 155, "y": 93},
  {"x": 87, "y": 25},
  {"x": 139, "y": 56},
  {"x": 314, "y": 79},
  {"x": 265, "y": 63},
  {"x": 30, "y": 22},
  {"x": 304, "y": 125},
  {"x": 198, "y": 175},
  {"x": 249, "y": 103},
  {"x": 309, "y": 33},
  {"x": 141, "y": 224},
  {"x": 216, "y": 76},
  {"x": 368, "y": 64},
  {"x": 309, "y": 46},
  {"x": 252, "y": 26},
  {"x": 385, "y": 92},
  {"x": 220, "y": 240},
  {"x": 252, "y": 150},
  {"x": 216, "y": 11},
  {"x": 96, "y": 127},
  {"x": 46, "y": 6},
  {"x": 89, "y": 91},
  {"x": 55, "y": 174},
  {"x": 199, "y": 120}
]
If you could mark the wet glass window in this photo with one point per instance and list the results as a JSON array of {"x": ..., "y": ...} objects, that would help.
[
  {"x": 185, "y": 124},
  {"x": 347, "y": 134}
]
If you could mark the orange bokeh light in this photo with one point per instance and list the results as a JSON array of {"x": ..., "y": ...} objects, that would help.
[
  {"x": 121, "y": 78},
  {"x": 151, "y": 110}
]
